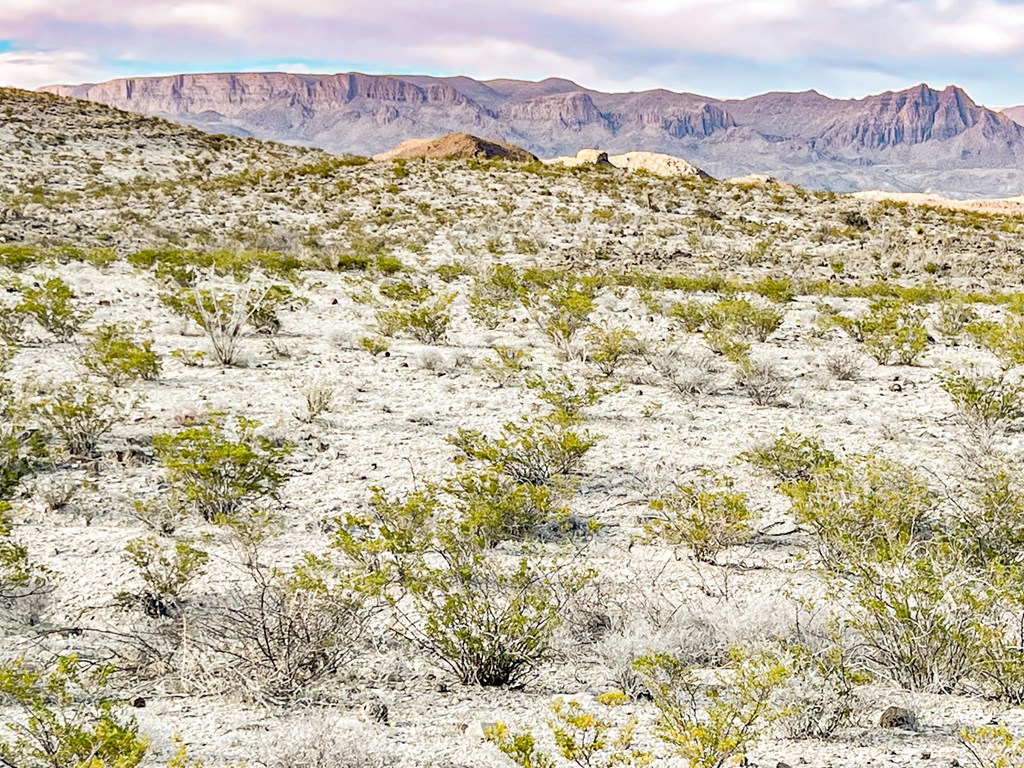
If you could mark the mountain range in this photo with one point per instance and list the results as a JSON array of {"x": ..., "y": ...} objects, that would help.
[{"x": 919, "y": 139}]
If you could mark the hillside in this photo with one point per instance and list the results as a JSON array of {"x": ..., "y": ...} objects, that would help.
[
  {"x": 309, "y": 460},
  {"x": 917, "y": 140}
]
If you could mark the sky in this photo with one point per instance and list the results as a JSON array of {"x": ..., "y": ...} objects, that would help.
[{"x": 721, "y": 48}]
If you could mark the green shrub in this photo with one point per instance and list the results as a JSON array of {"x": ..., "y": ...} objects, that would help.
[
  {"x": 51, "y": 303},
  {"x": 21, "y": 448},
  {"x": 12, "y": 322},
  {"x": 761, "y": 380},
  {"x": 778, "y": 289},
  {"x": 187, "y": 268},
  {"x": 890, "y": 329},
  {"x": 726, "y": 342},
  {"x": 743, "y": 319},
  {"x": 996, "y": 610},
  {"x": 284, "y": 631},
  {"x": 80, "y": 414},
  {"x": 1004, "y": 340},
  {"x": 915, "y": 609},
  {"x": 505, "y": 366},
  {"x": 992, "y": 746},
  {"x": 425, "y": 321},
  {"x": 64, "y": 717},
  {"x": 542, "y": 450},
  {"x": 989, "y": 403},
  {"x": 217, "y": 471},
  {"x": 489, "y": 620},
  {"x": 610, "y": 347},
  {"x": 568, "y": 396},
  {"x": 954, "y": 317},
  {"x": 690, "y": 314},
  {"x": 992, "y": 527},
  {"x": 375, "y": 345},
  {"x": 820, "y": 695},
  {"x": 166, "y": 568},
  {"x": 493, "y": 508},
  {"x": 706, "y": 516},
  {"x": 562, "y": 309},
  {"x": 582, "y": 737},
  {"x": 792, "y": 457},
  {"x": 116, "y": 353},
  {"x": 866, "y": 507},
  {"x": 495, "y": 293},
  {"x": 708, "y": 723},
  {"x": 453, "y": 270},
  {"x": 19, "y": 576}
]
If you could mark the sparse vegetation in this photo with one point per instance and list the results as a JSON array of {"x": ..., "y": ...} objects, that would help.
[{"x": 312, "y": 520}]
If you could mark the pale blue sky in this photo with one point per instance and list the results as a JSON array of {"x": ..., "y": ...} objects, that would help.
[{"x": 725, "y": 48}]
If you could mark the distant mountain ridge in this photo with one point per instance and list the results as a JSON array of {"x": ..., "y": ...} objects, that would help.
[{"x": 919, "y": 139}]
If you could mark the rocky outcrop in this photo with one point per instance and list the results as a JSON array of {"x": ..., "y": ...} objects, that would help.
[
  {"x": 657, "y": 163},
  {"x": 919, "y": 139},
  {"x": 456, "y": 145},
  {"x": 651, "y": 162}
]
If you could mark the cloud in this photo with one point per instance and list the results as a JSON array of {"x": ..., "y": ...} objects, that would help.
[
  {"x": 755, "y": 44},
  {"x": 31, "y": 69}
]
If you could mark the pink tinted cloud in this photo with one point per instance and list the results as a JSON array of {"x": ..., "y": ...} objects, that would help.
[{"x": 618, "y": 44}]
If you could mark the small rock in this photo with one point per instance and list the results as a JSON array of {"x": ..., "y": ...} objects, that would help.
[
  {"x": 895, "y": 387},
  {"x": 376, "y": 712},
  {"x": 186, "y": 417},
  {"x": 478, "y": 730},
  {"x": 898, "y": 717}
]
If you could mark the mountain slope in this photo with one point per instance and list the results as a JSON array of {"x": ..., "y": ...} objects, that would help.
[{"x": 917, "y": 139}]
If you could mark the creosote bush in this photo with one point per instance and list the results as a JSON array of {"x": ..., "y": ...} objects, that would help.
[
  {"x": 610, "y": 347},
  {"x": 741, "y": 318},
  {"x": 706, "y": 516},
  {"x": 219, "y": 470},
  {"x": 487, "y": 619},
  {"x": 165, "y": 568},
  {"x": 282, "y": 631},
  {"x": 426, "y": 320},
  {"x": 1004, "y": 340},
  {"x": 53, "y": 305},
  {"x": 890, "y": 329},
  {"x": 863, "y": 507},
  {"x": 708, "y": 723},
  {"x": 80, "y": 414},
  {"x": 545, "y": 450},
  {"x": 65, "y": 717},
  {"x": 992, "y": 746},
  {"x": 505, "y": 366},
  {"x": 583, "y": 737},
  {"x": 791, "y": 457},
  {"x": 495, "y": 293},
  {"x": 562, "y": 309},
  {"x": 118, "y": 354},
  {"x": 987, "y": 403}
]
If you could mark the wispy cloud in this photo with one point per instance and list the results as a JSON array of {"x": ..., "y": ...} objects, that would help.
[{"x": 724, "y": 47}]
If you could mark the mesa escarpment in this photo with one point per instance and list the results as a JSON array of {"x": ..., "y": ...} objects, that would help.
[{"x": 916, "y": 140}]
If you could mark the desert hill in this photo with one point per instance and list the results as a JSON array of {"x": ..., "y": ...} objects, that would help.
[
  {"x": 916, "y": 140},
  {"x": 302, "y": 444},
  {"x": 455, "y": 146}
]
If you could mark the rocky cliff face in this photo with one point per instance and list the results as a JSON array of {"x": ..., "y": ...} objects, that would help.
[{"x": 919, "y": 139}]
